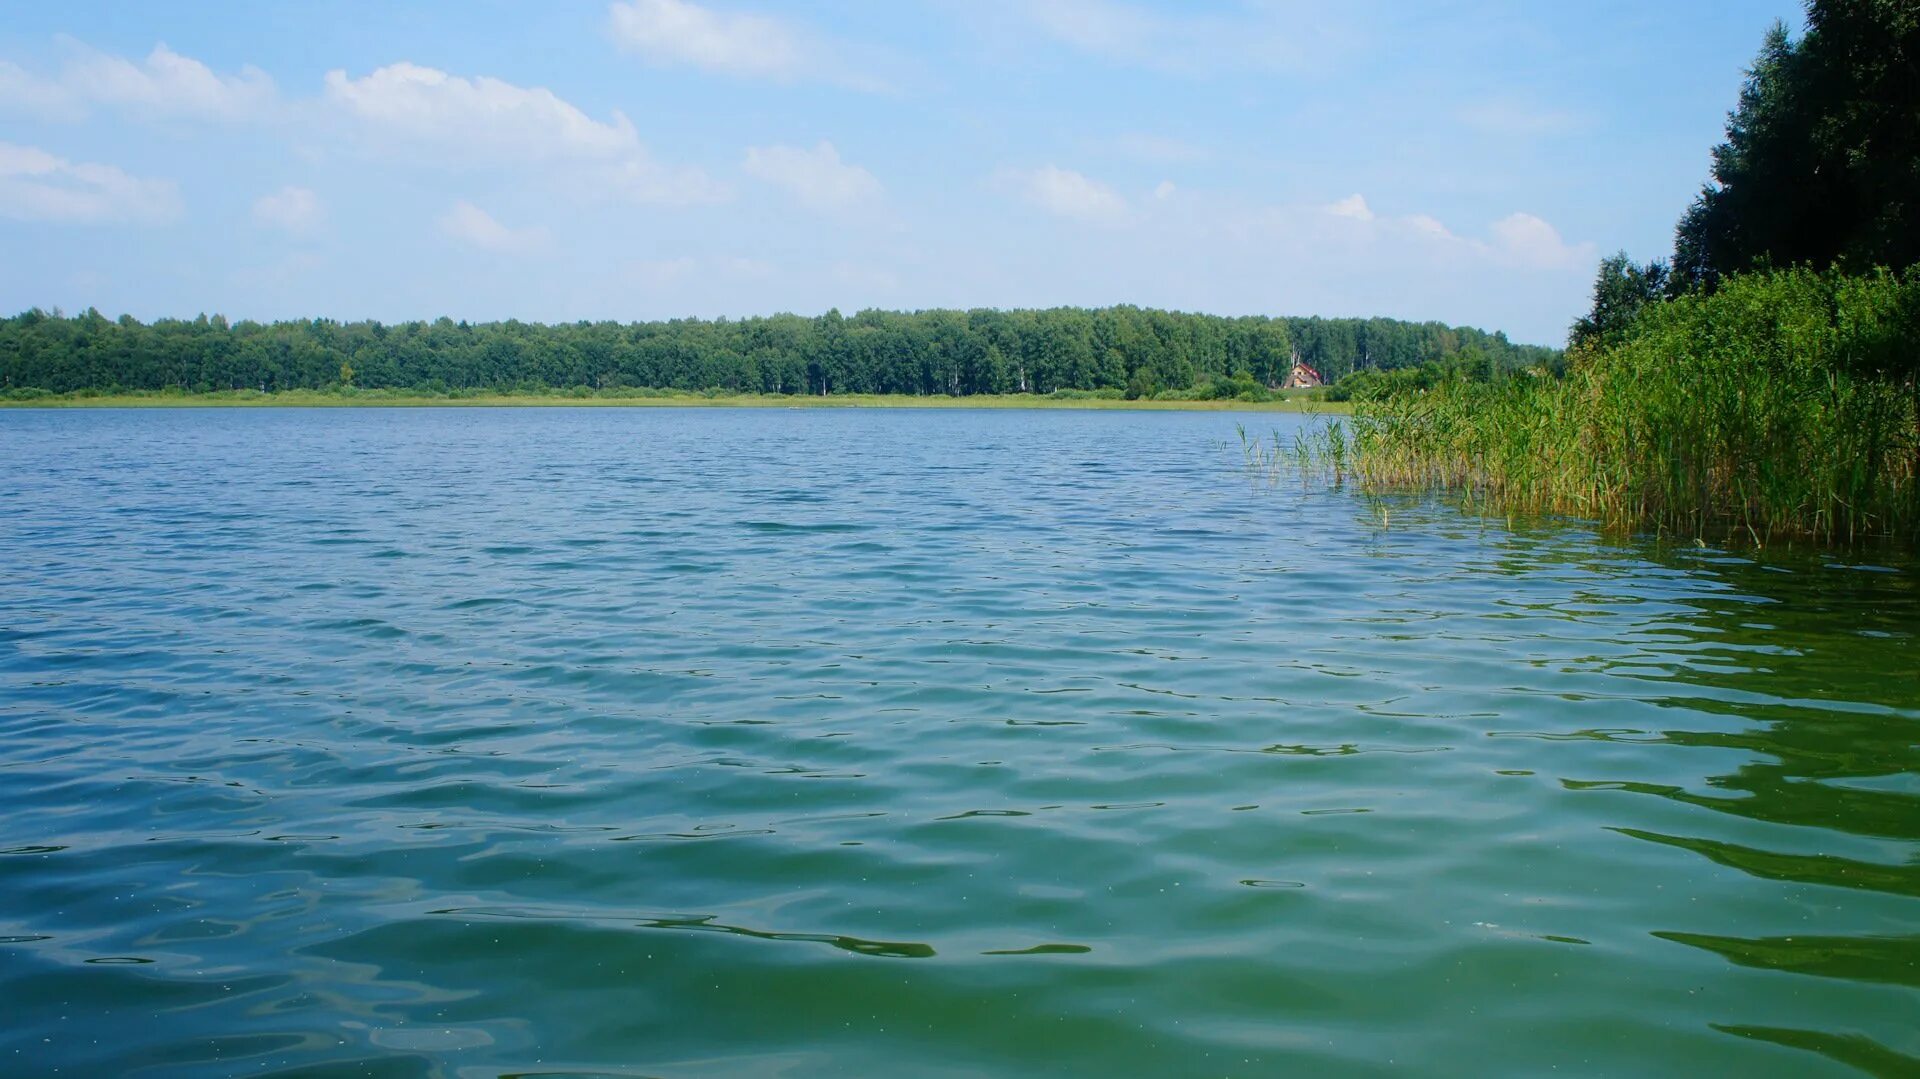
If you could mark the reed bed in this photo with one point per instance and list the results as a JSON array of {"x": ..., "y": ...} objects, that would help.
[{"x": 1781, "y": 406}]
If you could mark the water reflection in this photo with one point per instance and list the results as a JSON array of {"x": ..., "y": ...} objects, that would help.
[
  {"x": 1814, "y": 668},
  {"x": 1853, "y": 1050}
]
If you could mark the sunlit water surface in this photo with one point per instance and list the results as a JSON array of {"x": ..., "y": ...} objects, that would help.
[{"x": 816, "y": 743}]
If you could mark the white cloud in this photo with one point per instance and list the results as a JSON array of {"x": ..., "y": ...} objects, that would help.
[
  {"x": 1354, "y": 206},
  {"x": 1164, "y": 190},
  {"x": 1519, "y": 240},
  {"x": 37, "y": 186},
  {"x": 448, "y": 118},
  {"x": 423, "y": 106},
  {"x": 678, "y": 32},
  {"x": 23, "y": 91},
  {"x": 816, "y": 177},
  {"x": 294, "y": 210},
  {"x": 1529, "y": 241},
  {"x": 164, "y": 85},
  {"x": 681, "y": 33},
  {"x": 1066, "y": 193},
  {"x": 471, "y": 225}
]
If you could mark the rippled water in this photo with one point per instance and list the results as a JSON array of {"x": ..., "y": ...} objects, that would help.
[{"x": 705, "y": 742}]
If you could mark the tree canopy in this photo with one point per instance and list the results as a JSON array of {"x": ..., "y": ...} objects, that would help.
[{"x": 1821, "y": 163}]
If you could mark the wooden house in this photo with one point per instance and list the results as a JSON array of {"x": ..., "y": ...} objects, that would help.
[{"x": 1302, "y": 377}]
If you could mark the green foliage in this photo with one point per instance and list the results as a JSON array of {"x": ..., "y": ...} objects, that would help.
[
  {"x": 1821, "y": 164},
  {"x": 1758, "y": 409},
  {"x": 1468, "y": 365},
  {"x": 1620, "y": 290},
  {"x": 1120, "y": 351}
]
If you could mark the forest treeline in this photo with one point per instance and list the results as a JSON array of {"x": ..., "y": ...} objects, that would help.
[{"x": 1129, "y": 351}]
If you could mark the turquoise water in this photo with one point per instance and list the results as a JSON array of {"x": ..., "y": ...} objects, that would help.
[{"x": 811, "y": 743}]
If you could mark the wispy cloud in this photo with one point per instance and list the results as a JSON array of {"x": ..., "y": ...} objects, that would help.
[
  {"x": 1065, "y": 193},
  {"x": 1519, "y": 240},
  {"x": 474, "y": 227},
  {"x": 293, "y": 210},
  {"x": 680, "y": 33},
  {"x": 38, "y": 186},
  {"x": 816, "y": 177},
  {"x": 165, "y": 85},
  {"x": 1515, "y": 119},
  {"x": 1185, "y": 41},
  {"x": 660, "y": 273}
]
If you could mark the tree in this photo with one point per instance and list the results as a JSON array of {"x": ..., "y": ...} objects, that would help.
[
  {"x": 1620, "y": 290},
  {"x": 1821, "y": 163}
]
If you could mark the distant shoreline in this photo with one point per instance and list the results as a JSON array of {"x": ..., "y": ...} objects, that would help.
[{"x": 384, "y": 399}]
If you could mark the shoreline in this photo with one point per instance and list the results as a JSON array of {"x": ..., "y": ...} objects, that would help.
[{"x": 311, "y": 399}]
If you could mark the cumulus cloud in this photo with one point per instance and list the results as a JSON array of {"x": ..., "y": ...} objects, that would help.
[
  {"x": 38, "y": 186},
  {"x": 1528, "y": 241},
  {"x": 164, "y": 85},
  {"x": 1354, "y": 206},
  {"x": 1066, "y": 193},
  {"x": 816, "y": 177},
  {"x": 425, "y": 106},
  {"x": 294, "y": 210},
  {"x": 407, "y": 107},
  {"x": 470, "y": 225}
]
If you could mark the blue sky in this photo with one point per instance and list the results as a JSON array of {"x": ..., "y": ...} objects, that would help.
[{"x": 1465, "y": 161}]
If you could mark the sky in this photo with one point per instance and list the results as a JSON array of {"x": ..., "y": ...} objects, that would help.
[{"x": 1461, "y": 160}]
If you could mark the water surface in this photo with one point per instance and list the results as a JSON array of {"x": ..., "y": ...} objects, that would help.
[{"x": 813, "y": 743}]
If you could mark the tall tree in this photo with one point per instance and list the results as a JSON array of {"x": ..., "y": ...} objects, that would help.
[{"x": 1821, "y": 163}]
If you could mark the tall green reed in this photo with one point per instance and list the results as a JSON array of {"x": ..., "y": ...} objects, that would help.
[{"x": 1782, "y": 405}]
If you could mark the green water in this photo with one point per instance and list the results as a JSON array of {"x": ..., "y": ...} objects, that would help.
[{"x": 706, "y": 742}]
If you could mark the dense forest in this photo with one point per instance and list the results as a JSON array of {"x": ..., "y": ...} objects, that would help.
[{"x": 1125, "y": 350}]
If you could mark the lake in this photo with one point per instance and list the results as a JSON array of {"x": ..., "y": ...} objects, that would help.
[{"x": 703, "y": 742}]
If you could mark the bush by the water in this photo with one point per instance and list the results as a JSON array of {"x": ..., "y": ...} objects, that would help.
[{"x": 1775, "y": 405}]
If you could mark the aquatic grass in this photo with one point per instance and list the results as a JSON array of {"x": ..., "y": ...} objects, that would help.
[{"x": 1773, "y": 408}]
